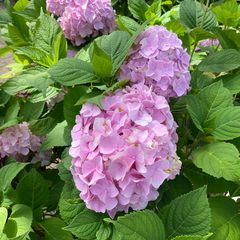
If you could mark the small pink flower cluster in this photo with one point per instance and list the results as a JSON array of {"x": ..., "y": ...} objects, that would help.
[
  {"x": 80, "y": 19},
  {"x": 57, "y": 7},
  {"x": 207, "y": 43},
  {"x": 123, "y": 153},
  {"x": 158, "y": 60},
  {"x": 18, "y": 141}
]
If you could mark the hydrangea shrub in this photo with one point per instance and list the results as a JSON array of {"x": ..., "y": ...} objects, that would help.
[{"x": 120, "y": 120}]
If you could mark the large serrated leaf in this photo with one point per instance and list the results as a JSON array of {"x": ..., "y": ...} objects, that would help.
[
  {"x": 138, "y": 8},
  {"x": 8, "y": 173},
  {"x": 209, "y": 100},
  {"x": 19, "y": 222},
  {"x": 221, "y": 61},
  {"x": 71, "y": 71},
  {"x": 219, "y": 160},
  {"x": 53, "y": 228},
  {"x": 225, "y": 123},
  {"x": 32, "y": 190},
  {"x": 194, "y": 14},
  {"x": 188, "y": 214},
  {"x": 225, "y": 219},
  {"x": 85, "y": 225},
  {"x": 142, "y": 225}
]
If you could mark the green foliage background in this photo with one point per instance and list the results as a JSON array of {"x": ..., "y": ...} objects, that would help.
[{"x": 42, "y": 203}]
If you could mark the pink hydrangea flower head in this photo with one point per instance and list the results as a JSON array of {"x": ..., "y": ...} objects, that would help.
[
  {"x": 158, "y": 60},
  {"x": 18, "y": 142},
  {"x": 57, "y": 7},
  {"x": 121, "y": 154},
  {"x": 207, "y": 43},
  {"x": 87, "y": 18}
]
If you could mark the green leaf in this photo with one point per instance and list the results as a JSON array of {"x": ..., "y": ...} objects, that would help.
[
  {"x": 45, "y": 31},
  {"x": 19, "y": 223},
  {"x": 32, "y": 190},
  {"x": 192, "y": 237},
  {"x": 8, "y": 124},
  {"x": 221, "y": 61},
  {"x": 16, "y": 36},
  {"x": 37, "y": 55},
  {"x": 43, "y": 126},
  {"x": 101, "y": 61},
  {"x": 225, "y": 123},
  {"x": 104, "y": 232},
  {"x": 59, "y": 48},
  {"x": 198, "y": 179},
  {"x": 42, "y": 97},
  {"x": 228, "y": 13},
  {"x": 33, "y": 80},
  {"x": 200, "y": 34},
  {"x": 138, "y": 9},
  {"x": 194, "y": 14},
  {"x": 8, "y": 173},
  {"x": 31, "y": 111},
  {"x": 53, "y": 228},
  {"x": 72, "y": 71},
  {"x": 12, "y": 110},
  {"x": 85, "y": 225},
  {"x": 127, "y": 24},
  {"x": 225, "y": 219},
  {"x": 70, "y": 208},
  {"x": 225, "y": 40},
  {"x": 231, "y": 82},
  {"x": 4, "y": 50},
  {"x": 175, "y": 188},
  {"x": 3, "y": 218},
  {"x": 219, "y": 160},
  {"x": 141, "y": 225},
  {"x": 206, "y": 102},
  {"x": 70, "y": 99},
  {"x": 117, "y": 45},
  {"x": 21, "y": 5},
  {"x": 114, "y": 45},
  {"x": 188, "y": 214},
  {"x": 56, "y": 137}
]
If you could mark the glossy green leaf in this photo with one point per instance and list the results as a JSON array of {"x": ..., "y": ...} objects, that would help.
[
  {"x": 32, "y": 190},
  {"x": 71, "y": 71},
  {"x": 221, "y": 61},
  {"x": 85, "y": 225},
  {"x": 209, "y": 100},
  {"x": 225, "y": 123},
  {"x": 53, "y": 229},
  {"x": 188, "y": 214},
  {"x": 56, "y": 137},
  {"x": 225, "y": 219},
  {"x": 219, "y": 160},
  {"x": 141, "y": 225},
  {"x": 138, "y": 9},
  {"x": 194, "y": 14}
]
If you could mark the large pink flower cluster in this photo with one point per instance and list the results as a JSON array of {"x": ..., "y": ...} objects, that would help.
[
  {"x": 81, "y": 19},
  {"x": 123, "y": 153},
  {"x": 158, "y": 60},
  {"x": 18, "y": 141}
]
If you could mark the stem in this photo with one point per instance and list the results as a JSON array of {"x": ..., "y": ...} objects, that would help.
[
  {"x": 193, "y": 51},
  {"x": 195, "y": 143}
]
